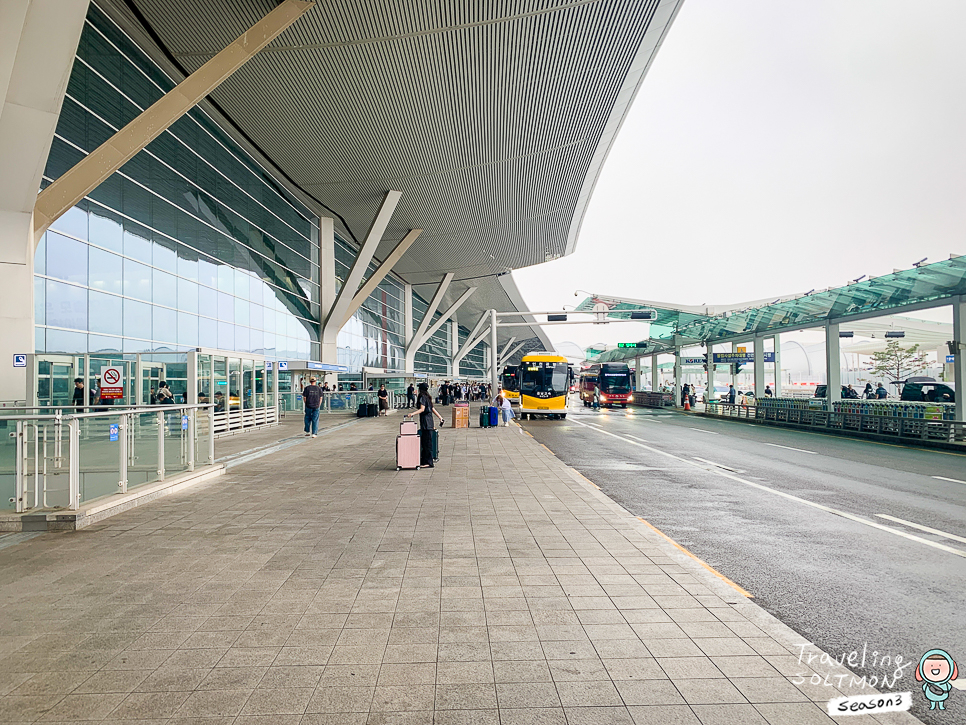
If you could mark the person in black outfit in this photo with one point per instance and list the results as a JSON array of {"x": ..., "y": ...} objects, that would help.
[
  {"x": 410, "y": 396},
  {"x": 383, "y": 395},
  {"x": 79, "y": 394},
  {"x": 426, "y": 411}
]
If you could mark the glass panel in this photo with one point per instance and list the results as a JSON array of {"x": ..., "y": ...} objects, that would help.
[
  {"x": 165, "y": 325},
  {"x": 72, "y": 222},
  {"x": 220, "y": 380},
  {"x": 66, "y": 305},
  {"x": 66, "y": 258},
  {"x": 207, "y": 332},
  {"x": 106, "y": 313},
  {"x": 165, "y": 290},
  {"x": 187, "y": 296},
  {"x": 137, "y": 280},
  {"x": 100, "y": 466},
  {"x": 248, "y": 384},
  {"x": 204, "y": 378},
  {"x": 143, "y": 450},
  {"x": 234, "y": 383},
  {"x": 187, "y": 329},
  {"x": 137, "y": 319},
  {"x": 105, "y": 231},
  {"x": 175, "y": 442},
  {"x": 106, "y": 271}
]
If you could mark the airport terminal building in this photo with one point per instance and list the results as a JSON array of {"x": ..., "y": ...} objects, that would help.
[{"x": 235, "y": 228}]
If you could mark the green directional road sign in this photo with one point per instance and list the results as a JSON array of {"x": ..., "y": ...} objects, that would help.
[{"x": 632, "y": 344}]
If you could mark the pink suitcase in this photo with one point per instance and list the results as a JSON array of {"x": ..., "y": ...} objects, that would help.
[
  {"x": 408, "y": 428},
  {"x": 407, "y": 452}
]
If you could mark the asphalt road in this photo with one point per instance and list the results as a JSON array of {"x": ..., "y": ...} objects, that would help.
[{"x": 770, "y": 509}]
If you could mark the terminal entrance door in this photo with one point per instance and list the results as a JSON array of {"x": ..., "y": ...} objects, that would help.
[
  {"x": 55, "y": 379},
  {"x": 152, "y": 374}
]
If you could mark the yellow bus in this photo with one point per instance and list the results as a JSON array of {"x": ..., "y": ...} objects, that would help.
[
  {"x": 511, "y": 383},
  {"x": 544, "y": 385}
]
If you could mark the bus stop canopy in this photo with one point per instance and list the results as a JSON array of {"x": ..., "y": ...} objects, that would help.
[{"x": 918, "y": 288}]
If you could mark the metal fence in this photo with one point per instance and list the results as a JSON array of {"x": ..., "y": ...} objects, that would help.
[
  {"x": 910, "y": 429},
  {"x": 339, "y": 402},
  {"x": 64, "y": 459}
]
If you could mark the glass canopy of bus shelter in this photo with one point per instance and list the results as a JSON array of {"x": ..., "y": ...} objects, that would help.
[{"x": 924, "y": 286}]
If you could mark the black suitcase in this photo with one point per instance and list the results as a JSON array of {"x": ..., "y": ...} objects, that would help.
[
  {"x": 363, "y": 411},
  {"x": 433, "y": 442},
  {"x": 372, "y": 410}
]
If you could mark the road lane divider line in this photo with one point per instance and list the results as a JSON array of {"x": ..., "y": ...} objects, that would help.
[
  {"x": 789, "y": 448},
  {"x": 952, "y": 480},
  {"x": 937, "y": 532},
  {"x": 744, "y": 592},
  {"x": 635, "y": 438},
  {"x": 719, "y": 465},
  {"x": 702, "y": 430},
  {"x": 820, "y": 507}
]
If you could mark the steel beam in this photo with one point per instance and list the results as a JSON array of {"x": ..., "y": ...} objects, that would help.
[
  {"x": 433, "y": 306},
  {"x": 380, "y": 274},
  {"x": 333, "y": 322},
  {"x": 110, "y": 156},
  {"x": 418, "y": 342}
]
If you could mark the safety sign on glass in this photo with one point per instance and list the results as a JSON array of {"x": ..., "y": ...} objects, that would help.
[
  {"x": 20, "y": 361},
  {"x": 184, "y": 422},
  {"x": 268, "y": 365},
  {"x": 113, "y": 431},
  {"x": 112, "y": 382}
]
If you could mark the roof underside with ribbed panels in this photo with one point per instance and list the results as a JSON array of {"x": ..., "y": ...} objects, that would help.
[{"x": 493, "y": 117}]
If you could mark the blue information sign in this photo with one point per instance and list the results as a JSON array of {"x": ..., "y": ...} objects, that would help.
[
  {"x": 114, "y": 431},
  {"x": 184, "y": 422},
  {"x": 950, "y": 359}
]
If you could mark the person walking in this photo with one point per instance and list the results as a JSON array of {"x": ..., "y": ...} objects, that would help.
[
  {"x": 410, "y": 396},
  {"x": 685, "y": 389},
  {"x": 79, "y": 398},
  {"x": 164, "y": 395},
  {"x": 881, "y": 393},
  {"x": 596, "y": 398},
  {"x": 312, "y": 400},
  {"x": 383, "y": 396},
  {"x": 426, "y": 412},
  {"x": 732, "y": 393}
]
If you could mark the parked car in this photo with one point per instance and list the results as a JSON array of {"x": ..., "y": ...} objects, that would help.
[
  {"x": 822, "y": 390},
  {"x": 927, "y": 391}
]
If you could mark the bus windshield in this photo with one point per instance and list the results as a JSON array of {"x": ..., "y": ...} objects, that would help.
[
  {"x": 510, "y": 382},
  {"x": 616, "y": 382},
  {"x": 541, "y": 377}
]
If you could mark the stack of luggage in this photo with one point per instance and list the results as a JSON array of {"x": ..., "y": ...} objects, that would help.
[{"x": 407, "y": 445}]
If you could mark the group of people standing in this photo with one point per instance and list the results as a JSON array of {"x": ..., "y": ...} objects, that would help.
[{"x": 450, "y": 393}]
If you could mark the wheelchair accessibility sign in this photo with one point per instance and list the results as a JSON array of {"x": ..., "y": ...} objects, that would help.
[{"x": 113, "y": 431}]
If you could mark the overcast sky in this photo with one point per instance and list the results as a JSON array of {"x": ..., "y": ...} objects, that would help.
[{"x": 776, "y": 147}]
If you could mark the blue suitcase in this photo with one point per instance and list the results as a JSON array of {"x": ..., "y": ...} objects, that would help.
[{"x": 494, "y": 416}]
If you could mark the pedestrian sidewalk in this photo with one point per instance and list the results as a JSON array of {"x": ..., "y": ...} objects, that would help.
[{"x": 318, "y": 585}]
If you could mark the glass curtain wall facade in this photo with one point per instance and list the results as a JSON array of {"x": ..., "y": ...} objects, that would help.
[{"x": 191, "y": 243}]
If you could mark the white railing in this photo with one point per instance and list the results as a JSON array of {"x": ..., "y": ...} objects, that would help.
[{"x": 64, "y": 459}]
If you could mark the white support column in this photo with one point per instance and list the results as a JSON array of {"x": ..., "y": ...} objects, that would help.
[
  {"x": 734, "y": 377},
  {"x": 759, "y": 367},
  {"x": 507, "y": 354},
  {"x": 833, "y": 364},
  {"x": 426, "y": 330},
  {"x": 637, "y": 373},
  {"x": 709, "y": 390},
  {"x": 329, "y": 349},
  {"x": 408, "y": 314},
  {"x": 959, "y": 361},
  {"x": 454, "y": 347},
  {"x": 655, "y": 374},
  {"x": 350, "y": 286},
  {"x": 475, "y": 338},
  {"x": 501, "y": 360},
  {"x": 38, "y": 41},
  {"x": 494, "y": 373},
  {"x": 677, "y": 376},
  {"x": 777, "y": 347},
  {"x": 384, "y": 268}
]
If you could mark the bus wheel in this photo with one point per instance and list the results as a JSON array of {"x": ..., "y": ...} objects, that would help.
[
  {"x": 563, "y": 416},
  {"x": 623, "y": 405}
]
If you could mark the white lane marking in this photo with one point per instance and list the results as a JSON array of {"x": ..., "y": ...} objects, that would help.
[
  {"x": 953, "y": 480},
  {"x": 702, "y": 430},
  {"x": 827, "y": 509},
  {"x": 719, "y": 465},
  {"x": 937, "y": 532},
  {"x": 597, "y": 424},
  {"x": 789, "y": 448},
  {"x": 959, "y": 683},
  {"x": 642, "y": 440}
]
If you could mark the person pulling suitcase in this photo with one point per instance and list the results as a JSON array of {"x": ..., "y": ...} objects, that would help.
[{"x": 426, "y": 412}]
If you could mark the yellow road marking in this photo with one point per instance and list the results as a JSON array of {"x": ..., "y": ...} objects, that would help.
[{"x": 722, "y": 577}]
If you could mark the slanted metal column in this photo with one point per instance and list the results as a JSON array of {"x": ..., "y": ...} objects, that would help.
[
  {"x": 494, "y": 373},
  {"x": 408, "y": 314},
  {"x": 759, "y": 367},
  {"x": 833, "y": 364},
  {"x": 777, "y": 347},
  {"x": 655, "y": 373},
  {"x": 959, "y": 360}
]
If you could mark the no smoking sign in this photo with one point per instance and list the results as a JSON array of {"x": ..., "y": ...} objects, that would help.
[{"x": 112, "y": 382}]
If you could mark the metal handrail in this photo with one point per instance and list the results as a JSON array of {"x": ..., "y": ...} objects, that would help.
[{"x": 115, "y": 410}]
